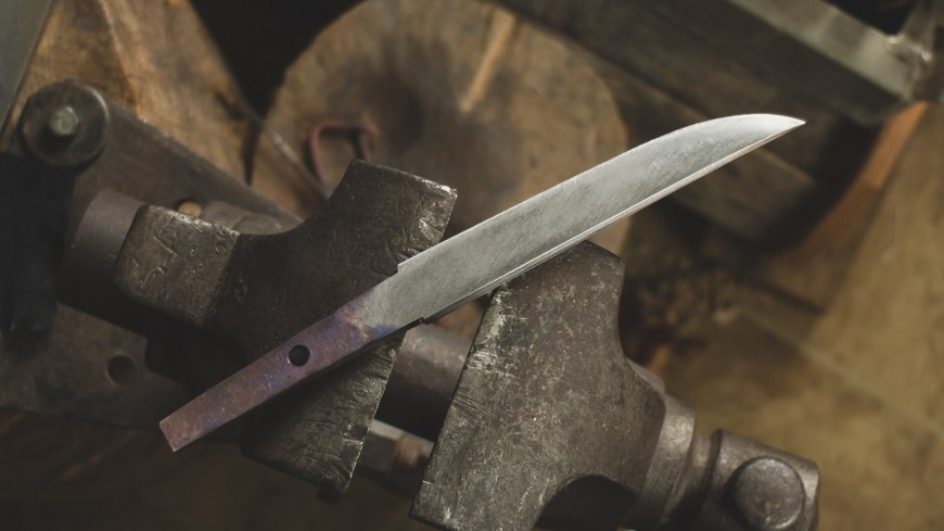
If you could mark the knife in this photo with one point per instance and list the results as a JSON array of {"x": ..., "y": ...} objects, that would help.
[{"x": 481, "y": 258}]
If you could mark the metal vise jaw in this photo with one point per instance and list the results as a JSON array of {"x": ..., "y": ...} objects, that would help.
[
  {"x": 551, "y": 423},
  {"x": 251, "y": 291}
]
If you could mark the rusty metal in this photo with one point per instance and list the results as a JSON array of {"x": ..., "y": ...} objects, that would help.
[
  {"x": 551, "y": 424},
  {"x": 231, "y": 284}
]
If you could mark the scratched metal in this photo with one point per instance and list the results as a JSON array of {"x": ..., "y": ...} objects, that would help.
[{"x": 483, "y": 257}]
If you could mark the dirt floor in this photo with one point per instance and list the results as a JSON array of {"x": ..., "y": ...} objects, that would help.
[{"x": 857, "y": 389}]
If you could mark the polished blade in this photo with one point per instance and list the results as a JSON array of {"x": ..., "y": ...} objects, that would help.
[{"x": 479, "y": 259}]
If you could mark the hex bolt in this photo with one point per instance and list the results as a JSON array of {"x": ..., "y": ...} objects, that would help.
[
  {"x": 63, "y": 122},
  {"x": 64, "y": 125},
  {"x": 768, "y": 494}
]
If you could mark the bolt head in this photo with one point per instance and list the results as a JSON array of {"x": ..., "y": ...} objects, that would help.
[
  {"x": 64, "y": 125},
  {"x": 63, "y": 122},
  {"x": 768, "y": 494}
]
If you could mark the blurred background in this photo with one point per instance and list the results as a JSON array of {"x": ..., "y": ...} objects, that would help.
[{"x": 795, "y": 296}]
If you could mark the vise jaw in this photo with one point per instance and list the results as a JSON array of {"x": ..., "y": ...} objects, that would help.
[{"x": 552, "y": 424}]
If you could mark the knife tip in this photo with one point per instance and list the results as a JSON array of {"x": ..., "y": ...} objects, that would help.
[{"x": 778, "y": 122}]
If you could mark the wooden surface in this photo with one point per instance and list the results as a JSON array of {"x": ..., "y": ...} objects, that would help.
[
  {"x": 460, "y": 92},
  {"x": 751, "y": 197},
  {"x": 858, "y": 389},
  {"x": 133, "y": 53},
  {"x": 639, "y": 39},
  {"x": 814, "y": 270}
]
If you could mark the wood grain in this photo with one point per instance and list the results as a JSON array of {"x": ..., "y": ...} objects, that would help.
[{"x": 458, "y": 92}]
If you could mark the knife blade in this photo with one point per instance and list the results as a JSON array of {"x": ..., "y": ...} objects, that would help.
[{"x": 474, "y": 262}]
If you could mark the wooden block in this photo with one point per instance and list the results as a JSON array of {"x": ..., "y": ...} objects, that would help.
[
  {"x": 640, "y": 40},
  {"x": 457, "y": 92},
  {"x": 153, "y": 57}
]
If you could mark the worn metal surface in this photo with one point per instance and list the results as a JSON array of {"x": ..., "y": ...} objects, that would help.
[
  {"x": 86, "y": 368},
  {"x": 859, "y": 70},
  {"x": 21, "y": 22},
  {"x": 763, "y": 479},
  {"x": 424, "y": 380},
  {"x": 479, "y": 259},
  {"x": 89, "y": 369},
  {"x": 184, "y": 267},
  {"x": 146, "y": 165},
  {"x": 394, "y": 458},
  {"x": 779, "y": 498},
  {"x": 546, "y": 399},
  {"x": 551, "y": 421},
  {"x": 231, "y": 285},
  {"x": 65, "y": 370}
]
